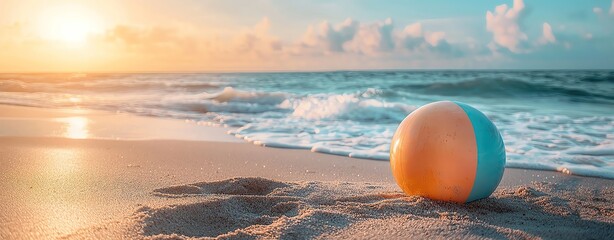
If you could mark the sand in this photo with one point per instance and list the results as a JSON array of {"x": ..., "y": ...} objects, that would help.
[
  {"x": 252, "y": 208},
  {"x": 54, "y": 187},
  {"x": 77, "y": 123},
  {"x": 63, "y": 188}
]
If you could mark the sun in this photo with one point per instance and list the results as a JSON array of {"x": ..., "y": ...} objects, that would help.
[{"x": 68, "y": 23}]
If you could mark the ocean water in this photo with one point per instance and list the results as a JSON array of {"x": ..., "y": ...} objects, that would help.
[{"x": 551, "y": 120}]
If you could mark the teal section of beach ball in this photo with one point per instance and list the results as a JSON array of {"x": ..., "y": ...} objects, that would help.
[{"x": 490, "y": 151}]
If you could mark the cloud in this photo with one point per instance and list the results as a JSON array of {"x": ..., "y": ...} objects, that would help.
[
  {"x": 255, "y": 41},
  {"x": 349, "y": 44},
  {"x": 413, "y": 30},
  {"x": 419, "y": 42},
  {"x": 331, "y": 38},
  {"x": 547, "y": 35},
  {"x": 504, "y": 25},
  {"x": 412, "y": 37},
  {"x": 258, "y": 40},
  {"x": 150, "y": 40},
  {"x": 134, "y": 35},
  {"x": 597, "y": 10},
  {"x": 372, "y": 39},
  {"x": 434, "y": 38}
]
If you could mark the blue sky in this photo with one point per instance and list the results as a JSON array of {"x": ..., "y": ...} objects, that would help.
[{"x": 269, "y": 35}]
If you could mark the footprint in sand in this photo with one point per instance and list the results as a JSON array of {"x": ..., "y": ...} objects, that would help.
[
  {"x": 242, "y": 207},
  {"x": 218, "y": 217},
  {"x": 234, "y": 186}
]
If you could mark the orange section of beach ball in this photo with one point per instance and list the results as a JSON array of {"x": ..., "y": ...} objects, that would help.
[{"x": 434, "y": 154}]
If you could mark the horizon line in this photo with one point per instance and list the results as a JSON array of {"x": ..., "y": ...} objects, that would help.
[{"x": 312, "y": 71}]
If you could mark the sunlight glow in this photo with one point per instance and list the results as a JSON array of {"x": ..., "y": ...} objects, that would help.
[
  {"x": 74, "y": 99},
  {"x": 76, "y": 127},
  {"x": 68, "y": 23},
  {"x": 63, "y": 161},
  {"x": 57, "y": 202}
]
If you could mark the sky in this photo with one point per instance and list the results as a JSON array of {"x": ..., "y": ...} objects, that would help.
[{"x": 303, "y": 35}]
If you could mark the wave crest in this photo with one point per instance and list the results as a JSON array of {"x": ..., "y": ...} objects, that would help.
[
  {"x": 506, "y": 87},
  {"x": 346, "y": 107},
  {"x": 229, "y": 94}
]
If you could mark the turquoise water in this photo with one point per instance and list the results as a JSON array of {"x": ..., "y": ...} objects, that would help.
[{"x": 554, "y": 120}]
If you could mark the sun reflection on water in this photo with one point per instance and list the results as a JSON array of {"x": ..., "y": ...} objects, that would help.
[{"x": 76, "y": 127}]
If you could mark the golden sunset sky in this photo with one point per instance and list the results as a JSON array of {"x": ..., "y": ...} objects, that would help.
[{"x": 270, "y": 35}]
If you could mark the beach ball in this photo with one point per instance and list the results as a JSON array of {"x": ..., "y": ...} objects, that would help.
[{"x": 447, "y": 151}]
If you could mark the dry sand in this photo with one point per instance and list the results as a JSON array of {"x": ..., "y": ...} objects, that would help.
[
  {"x": 252, "y": 208},
  {"x": 111, "y": 189}
]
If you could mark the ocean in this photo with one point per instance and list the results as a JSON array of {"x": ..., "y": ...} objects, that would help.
[{"x": 549, "y": 120}]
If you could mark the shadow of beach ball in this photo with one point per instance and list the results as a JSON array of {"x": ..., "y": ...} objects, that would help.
[{"x": 447, "y": 151}]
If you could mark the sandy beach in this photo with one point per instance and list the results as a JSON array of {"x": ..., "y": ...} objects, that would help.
[
  {"x": 273, "y": 119},
  {"x": 56, "y": 187}
]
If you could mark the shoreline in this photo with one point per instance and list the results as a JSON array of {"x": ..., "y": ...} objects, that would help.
[
  {"x": 57, "y": 123},
  {"x": 295, "y": 153},
  {"x": 78, "y": 123}
]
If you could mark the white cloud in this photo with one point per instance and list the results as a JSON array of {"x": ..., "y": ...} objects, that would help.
[
  {"x": 349, "y": 36},
  {"x": 332, "y": 39},
  {"x": 597, "y": 10},
  {"x": 425, "y": 43},
  {"x": 547, "y": 35},
  {"x": 257, "y": 39},
  {"x": 413, "y": 30},
  {"x": 412, "y": 36},
  {"x": 372, "y": 39},
  {"x": 434, "y": 38},
  {"x": 503, "y": 24}
]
